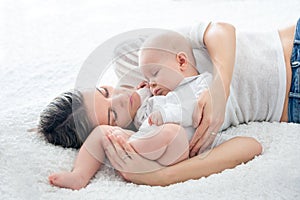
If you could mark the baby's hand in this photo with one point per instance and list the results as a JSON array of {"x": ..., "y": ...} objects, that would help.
[
  {"x": 155, "y": 118},
  {"x": 143, "y": 84}
]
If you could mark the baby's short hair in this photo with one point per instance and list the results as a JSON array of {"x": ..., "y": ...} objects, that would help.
[{"x": 168, "y": 43}]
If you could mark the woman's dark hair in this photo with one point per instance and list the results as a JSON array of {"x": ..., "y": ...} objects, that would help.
[{"x": 64, "y": 121}]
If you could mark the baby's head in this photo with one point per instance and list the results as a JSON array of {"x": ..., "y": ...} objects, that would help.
[{"x": 165, "y": 59}]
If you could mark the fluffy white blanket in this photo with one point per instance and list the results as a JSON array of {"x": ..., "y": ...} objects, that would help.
[{"x": 43, "y": 45}]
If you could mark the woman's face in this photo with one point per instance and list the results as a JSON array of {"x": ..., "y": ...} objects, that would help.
[{"x": 109, "y": 106}]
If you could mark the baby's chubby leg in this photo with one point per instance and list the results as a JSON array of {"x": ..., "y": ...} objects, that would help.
[
  {"x": 87, "y": 163},
  {"x": 167, "y": 145}
]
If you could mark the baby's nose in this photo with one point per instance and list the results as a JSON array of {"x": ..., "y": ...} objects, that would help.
[{"x": 152, "y": 84}]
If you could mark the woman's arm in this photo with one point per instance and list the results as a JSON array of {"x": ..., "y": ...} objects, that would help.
[
  {"x": 227, "y": 155},
  {"x": 220, "y": 41}
]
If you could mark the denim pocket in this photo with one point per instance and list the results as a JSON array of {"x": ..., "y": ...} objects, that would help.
[
  {"x": 294, "y": 108},
  {"x": 295, "y": 84},
  {"x": 294, "y": 95}
]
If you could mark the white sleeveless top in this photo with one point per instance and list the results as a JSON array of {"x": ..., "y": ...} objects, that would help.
[{"x": 258, "y": 84}]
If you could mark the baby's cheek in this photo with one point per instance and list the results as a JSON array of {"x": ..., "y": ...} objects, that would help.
[
  {"x": 165, "y": 92},
  {"x": 172, "y": 85},
  {"x": 168, "y": 84}
]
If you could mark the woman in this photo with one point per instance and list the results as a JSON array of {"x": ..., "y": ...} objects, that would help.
[
  {"x": 57, "y": 122},
  {"x": 213, "y": 36}
]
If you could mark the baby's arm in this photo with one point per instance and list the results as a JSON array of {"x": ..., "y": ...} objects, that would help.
[
  {"x": 155, "y": 118},
  {"x": 169, "y": 113},
  {"x": 176, "y": 107}
]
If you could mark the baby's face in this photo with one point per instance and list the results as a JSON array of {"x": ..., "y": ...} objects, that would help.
[
  {"x": 164, "y": 73},
  {"x": 109, "y": 106}
]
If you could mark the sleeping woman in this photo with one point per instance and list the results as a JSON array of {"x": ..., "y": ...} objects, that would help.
[{"x": 217, "y": 46}]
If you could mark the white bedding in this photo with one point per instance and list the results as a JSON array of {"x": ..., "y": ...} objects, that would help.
[{"x": 43, "y": 45}]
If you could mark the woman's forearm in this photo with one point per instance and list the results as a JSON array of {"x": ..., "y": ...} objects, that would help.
[
  {"x": 228, "y": 155},
  {"x": 137, "y": 169}
]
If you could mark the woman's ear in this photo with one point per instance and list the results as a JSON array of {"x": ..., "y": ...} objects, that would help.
[{"x": 182, "y": 60}]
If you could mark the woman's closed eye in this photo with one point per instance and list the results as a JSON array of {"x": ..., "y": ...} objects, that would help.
[
  {"x": 112, "y": 117},
  {"x": 104, "y": 91}
]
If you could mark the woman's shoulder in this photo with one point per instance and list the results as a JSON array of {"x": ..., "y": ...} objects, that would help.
[{"x": 195, "y": 33}]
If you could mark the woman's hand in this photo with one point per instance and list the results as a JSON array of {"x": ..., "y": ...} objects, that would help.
[
  {"x": 208, "y": 116},
  {"x": 220, "y": 41},
  {"x": 131, "y": 165}
]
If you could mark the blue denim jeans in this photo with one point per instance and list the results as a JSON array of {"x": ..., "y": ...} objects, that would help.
[{"x": 294, "y": 95}]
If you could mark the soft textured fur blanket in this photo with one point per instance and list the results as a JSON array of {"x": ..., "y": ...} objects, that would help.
[{"x": 43, "y": 45}]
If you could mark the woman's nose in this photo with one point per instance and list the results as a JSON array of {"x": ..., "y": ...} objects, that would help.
[
  {"x": 118, "y": 100},
  {"x": 122, "y": 91}
]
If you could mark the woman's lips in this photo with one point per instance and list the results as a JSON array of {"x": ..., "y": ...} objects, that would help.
[{"x": 131, "y": 100}]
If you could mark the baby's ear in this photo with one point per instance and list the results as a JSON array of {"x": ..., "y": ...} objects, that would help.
[{"x": 182, "y": 59}]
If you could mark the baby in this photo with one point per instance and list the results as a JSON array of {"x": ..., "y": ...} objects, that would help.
[{"x": 167, "y": 61}]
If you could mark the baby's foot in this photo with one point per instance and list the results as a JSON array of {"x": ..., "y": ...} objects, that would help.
[{"x": 67, "y": 180}]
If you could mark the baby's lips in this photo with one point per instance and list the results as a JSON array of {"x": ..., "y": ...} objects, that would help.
[{"x": 157, "y": 92}]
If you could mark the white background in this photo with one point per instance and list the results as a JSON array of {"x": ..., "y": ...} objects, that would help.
[{"x": 43, "y": 44}]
